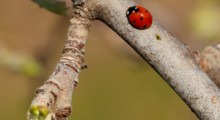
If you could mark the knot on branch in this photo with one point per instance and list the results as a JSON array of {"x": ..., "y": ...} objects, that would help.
[
  {"x": 78, "y": 2},
  {"x": 212, "y": 55},
  {"x": 79, "y": 8},
  {"x": 63, "y": 113},
  {"x": 201, "y": 61},
  {"x": 83, "y": 12}
]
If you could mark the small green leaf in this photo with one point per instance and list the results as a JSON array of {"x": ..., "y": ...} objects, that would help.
[
  {"x": 44, "y": 112},
  {"x": 34, "y": 110},
  {"x": 58, "y": 7},
  {"x": 38, "y": 112}
]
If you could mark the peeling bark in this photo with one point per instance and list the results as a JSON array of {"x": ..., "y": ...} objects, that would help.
[{"x": 56, "y": 93}]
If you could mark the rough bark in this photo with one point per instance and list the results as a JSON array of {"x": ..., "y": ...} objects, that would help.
[
  {"x": 53, "y": 99},
  {"x": 169, "y": 57}
]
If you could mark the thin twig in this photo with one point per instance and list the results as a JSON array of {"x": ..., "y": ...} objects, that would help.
[{"x": 53, "y": 99}]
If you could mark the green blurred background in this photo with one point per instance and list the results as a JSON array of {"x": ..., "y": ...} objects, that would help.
[{"x": 118, "y": 84}]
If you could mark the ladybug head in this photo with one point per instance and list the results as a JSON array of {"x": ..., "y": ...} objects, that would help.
[{"x": 132, "y": 9}]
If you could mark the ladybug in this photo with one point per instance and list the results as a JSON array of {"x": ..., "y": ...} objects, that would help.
[{"x": 139, "y": 17}]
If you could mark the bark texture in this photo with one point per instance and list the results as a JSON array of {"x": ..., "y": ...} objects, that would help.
[{"x": 55, "y": 95}]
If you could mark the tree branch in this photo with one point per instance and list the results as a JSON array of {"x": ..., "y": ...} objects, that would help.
[
  {"x": 53, "y": 99},
  {"x": 169, "y": 57}
]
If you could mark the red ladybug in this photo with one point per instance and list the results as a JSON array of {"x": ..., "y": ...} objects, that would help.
[{"x": 139, "y": 17}]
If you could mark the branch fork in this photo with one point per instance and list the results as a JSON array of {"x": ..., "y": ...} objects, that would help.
[{"x": 169, "y": 57}]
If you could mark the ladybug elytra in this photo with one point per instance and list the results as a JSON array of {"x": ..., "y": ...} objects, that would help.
[{"x": 139, "y": 17}]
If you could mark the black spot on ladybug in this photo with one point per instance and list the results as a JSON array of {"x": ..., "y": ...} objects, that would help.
[
  {"x": 146, "y": 11},
  {"x": 134, "y": 21},
  {"x": 144, "y": 26},
  {"x": 158, "y": 37},
  {"x": 141, "y": 18}
]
